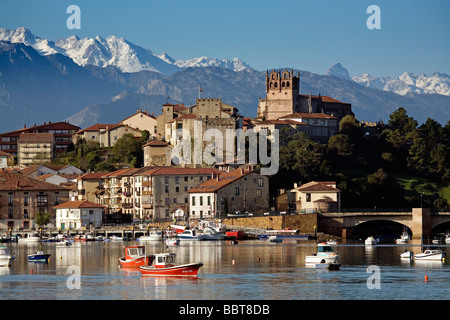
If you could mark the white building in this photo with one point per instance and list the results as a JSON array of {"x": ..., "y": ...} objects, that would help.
[{"x": 78, "y": 214}]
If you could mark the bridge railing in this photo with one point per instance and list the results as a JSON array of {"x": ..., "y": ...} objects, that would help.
[{"x": 351, "y": 210}]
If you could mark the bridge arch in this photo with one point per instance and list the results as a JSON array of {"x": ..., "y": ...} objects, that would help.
[{"x": 388, "y": 230}]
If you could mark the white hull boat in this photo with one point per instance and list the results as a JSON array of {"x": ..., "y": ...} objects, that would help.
[
  {"x": 274, "y": 239},
  {"x": 325, "y": 254},
  {"x": 190, "y": 235},
  {"x": 430, "y": 255},
  {"x": 407, "y": 255},
  {"x": 6, "y": 258},
  {"x": 30, "y": 239},
  {"x": 152, "y": 236},
  {"x": 370, "y": 241}
]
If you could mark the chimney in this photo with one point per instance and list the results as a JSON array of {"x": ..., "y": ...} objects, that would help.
[{"x": 24, "y": 125}]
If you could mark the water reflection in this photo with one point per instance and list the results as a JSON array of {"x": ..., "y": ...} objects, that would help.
[{"x": 253, "y": 269}]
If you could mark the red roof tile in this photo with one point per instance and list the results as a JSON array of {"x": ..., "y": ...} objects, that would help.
[
  {"x": 78, "y": 204},
  {"x": 11, "y": 181},
  {"x": 221, "y": 181}
]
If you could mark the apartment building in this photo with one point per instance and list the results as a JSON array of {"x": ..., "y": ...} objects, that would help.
[
  {"x": 35, "y": 148},
  {"x": 22, "y": 197}
]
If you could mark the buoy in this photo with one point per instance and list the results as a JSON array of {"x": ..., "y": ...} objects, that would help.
[
  {"x": 31, "y": 271},
  {"x": 60, "y": 257},
  {"x": 426, "y": 278}
]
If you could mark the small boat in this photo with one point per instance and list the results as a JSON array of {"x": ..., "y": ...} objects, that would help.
[
  {"x": 190, "y": 234},
  {"x": 134, "y": 257},
  {"x": 116, "y": 238},
  {"x": 403, "y": 238},
  {"x": 209, "y": 233},
  {"x": 370, "y": 241},
  {"x": 99, "y": 238},
  {"x": 430, "y": 254},
  {"x": 172, "y": 241},
  {"x": 6, "y": 258},
  {"x": 39, "y": 256},
  {"x": 164, "y": 265},
  {"x": 274, "y": 239},
  {"x": 407, "y": 255},
  {"x": 436, "y": 241},
  {"x": 33, "y": 238},
  {"x": 64, "y": 243},
  {"x": 447, "y": 238},
  {"x": 178, "y": 229},
  {"x": 152, "y": 236},
  {"x": 325, "y": 254}
]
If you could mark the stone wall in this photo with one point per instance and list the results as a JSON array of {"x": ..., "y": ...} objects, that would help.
[{"x": 305, "y": 223}]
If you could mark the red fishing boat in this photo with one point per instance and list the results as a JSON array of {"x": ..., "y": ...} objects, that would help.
[
  {"x": 164, "y": 265},
  {"x": 135, "y": 257}
]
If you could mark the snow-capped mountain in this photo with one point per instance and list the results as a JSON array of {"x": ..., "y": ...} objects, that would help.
[
  {"x": 113, "y": 51},
  {"x": 407, "y": 82},
  {"x": 235, "y": 64}
]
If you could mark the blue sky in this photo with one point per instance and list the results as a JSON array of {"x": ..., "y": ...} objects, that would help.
[{"x": 309, "y": 35}]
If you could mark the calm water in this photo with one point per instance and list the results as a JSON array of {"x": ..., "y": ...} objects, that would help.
[{"x": 251, "y": 270}]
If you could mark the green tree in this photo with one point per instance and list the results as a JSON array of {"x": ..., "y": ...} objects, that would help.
[
  {"x": 43, "y": 218},
  {"x": 340, "y": 145}
]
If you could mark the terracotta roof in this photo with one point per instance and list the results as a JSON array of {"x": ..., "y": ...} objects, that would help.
[
  {"x": 36, "y": 138},
  {"x": 92, "y": 175},
  {"x": 11, "y": 181},
  {"x": 156, "y": 143},
  {"x": 145, "y": 113},
  {"x": 307, "y": 115},
  {"x": 47, "y": 126},
  {"x": 101, "y": 126},
  {"x": 318, "y": 186},
  {"x": 286, "y": 122},
  {"x": 78, "y": 204},
  {"x": 5, "y": 154},
  {"x": 30, "y": 169},
  {"x": 220, "y": 181},
  {"x": 324, "y": 98},
  {"x": 185, "y": 116},
  {"x": 180, "y": 171}
]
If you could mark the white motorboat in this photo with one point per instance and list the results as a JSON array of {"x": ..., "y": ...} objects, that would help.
[
  {"x": 190, "y": 234},
  {"x": 430, "y": 254},
  {"x": 152, "y": 236},
  {"x": 447, "y": 238},
  {"x": 403, "y": 238},
  {"x": 274, "y": 239},
  {"x": 325, "y": 254},
  {"x": 116, "y": 238},
  {"x": 64, "y": 243},
  {"x": 370, "y": 241},
  {"x": 407, "y": 255},
  {"x": 6, "y": 258},
  {"x": 32, "y": 238},
  {"x": 211, "y": 234},
  {"x": 172, "y": 241}
]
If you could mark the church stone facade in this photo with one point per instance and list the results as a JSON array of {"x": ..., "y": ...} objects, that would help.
[{"x": 283, "y": 98}]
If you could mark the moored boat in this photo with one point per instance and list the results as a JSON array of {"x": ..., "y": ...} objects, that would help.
[
  {"x": 116, "y": 238},
  {"x": 190, "y": 234},
  {"x": 164, "y": 265},
  {"x": 178, "y": 229},
  {"x": 407, "y": 255},
  {"x": 134, "y": 257},
  {"x": 325, "y": 254},
  {"x": 39, "y": 256},
  {"x": 32, "y": 238},
  {"x": 211, "y": 234},
  {"x": 172, "y": 241},
  {"x": 274, "y": 239},
  {"x": 152, "y": 236},
  {"x": 6, "y": 258},
  {"x": 430, "y": 254},
  {"x": 370, "y": 241}
]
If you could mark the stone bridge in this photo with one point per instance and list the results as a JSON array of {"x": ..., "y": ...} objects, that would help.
[{"x": 420, "y": 221}]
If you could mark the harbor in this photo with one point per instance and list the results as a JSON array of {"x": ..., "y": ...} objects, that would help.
[{"x": 251, "y": 270}]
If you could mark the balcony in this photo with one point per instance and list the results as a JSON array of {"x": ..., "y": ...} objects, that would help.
[
  {"x": 127, "y": 205},
  {"x": 147, "y": 205}
]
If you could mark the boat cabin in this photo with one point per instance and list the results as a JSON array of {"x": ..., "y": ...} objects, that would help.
[
  {"x": 134, "y": 252},
  {"x": 164, "y": 260},
  {"x": 324, "y": 248}
]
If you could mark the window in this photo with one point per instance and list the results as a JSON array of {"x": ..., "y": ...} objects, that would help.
[
  {"x": 166, "y": 180},
  {"x": 258, "y": 193},
  {"x": 25, "y": 213},
  {"x": 201, "y": 200},
  {"x": 25, "y": 202},
  {"x": 167, "y": 201},
  {"x": 56, "y": 201},
  {"x": 177, "y": 180},
  {"x": 10, "y": 213},
  {"x": 209, "y": 200},
  {"x": 174, "y": 200},
  {"x": 308, "y": 197},
  {"x": 236, "y": 191},
  {"x": 166, "y": 189},
  {"x": 177, "y": 189},
  {"x": 193, "y": 201},
  {"x": 260, "y": 182}
]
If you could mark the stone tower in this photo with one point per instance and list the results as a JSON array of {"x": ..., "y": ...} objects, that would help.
[{"x": 282, "y": 89}]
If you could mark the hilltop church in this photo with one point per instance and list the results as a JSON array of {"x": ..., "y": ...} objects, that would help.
[{"x": 284, "y": 98}]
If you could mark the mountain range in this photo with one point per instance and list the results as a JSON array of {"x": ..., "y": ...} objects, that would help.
[{"x": 85, "y": 81}]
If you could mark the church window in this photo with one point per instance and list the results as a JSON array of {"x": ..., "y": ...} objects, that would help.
[
  {"x": 275, "y": 84},
  {"x": 287, "y": 84},
  {"x": 283, "y": 84}
]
